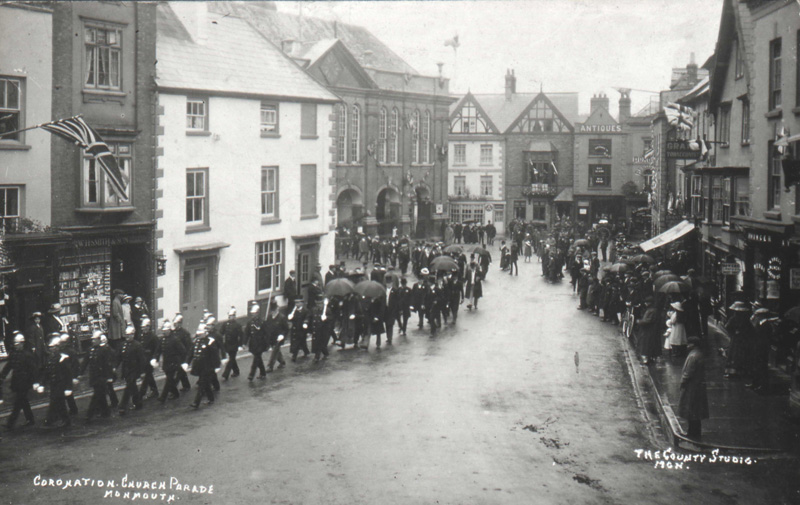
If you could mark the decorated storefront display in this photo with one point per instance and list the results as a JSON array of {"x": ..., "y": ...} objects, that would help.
[{"x": 85, "y": 290}]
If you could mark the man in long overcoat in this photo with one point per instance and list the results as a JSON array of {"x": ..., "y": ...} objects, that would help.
[
  {"x": 693, "y": 403},
  {"x": 648, "y": 334}
]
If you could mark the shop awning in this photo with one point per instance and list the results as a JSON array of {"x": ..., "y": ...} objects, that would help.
[
  {"x": 674, "y": 233},
  {"x": 564, "y": 196},
  {"x": 214, "y": 246}
]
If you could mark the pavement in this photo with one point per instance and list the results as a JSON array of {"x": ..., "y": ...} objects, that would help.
[
  {"x": 526, "y": 400},
  {"x": 740, "y": 418}
]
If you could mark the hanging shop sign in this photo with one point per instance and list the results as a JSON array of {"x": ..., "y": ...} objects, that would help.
[
  {"x": 440, "y": 208},
  {"x": 680, "y": 150},
  {"x": 729, "y": 268}
]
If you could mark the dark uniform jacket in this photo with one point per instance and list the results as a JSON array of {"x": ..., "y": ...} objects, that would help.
[
  {"x": 392, "y": 306},
  {"x": 290, "y": 289},
  {"x": 299, "y": 319},
  {"x": 275, "y": 327},
  {"x": 132, "y": 359},
  {"x": 418, "y": 296},
  {"x": 314, "y": 295},
  {"x": 150, "y": 346},
  {"x": 184, "y": 337},
  {"x": 204, "y": 357},
  {"x": 254, "y": 335},
  {"x": 100, "y": 365},
  {"x": 58, "y": 374},
  {"x": 172, "y": 350},
  {"x": 22, "y": 366},
  {"x": 231, "y": 335}
]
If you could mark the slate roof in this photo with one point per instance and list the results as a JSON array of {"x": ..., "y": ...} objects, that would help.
[
  {"x": 280, "y": 26},
  {"x": 503, "y": 112},
  {"x": 234, "y": 58}
]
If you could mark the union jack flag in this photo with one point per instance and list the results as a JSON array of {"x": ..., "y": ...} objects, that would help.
[
  {"x": 76, "y": 130},
  {"x": 679, "y": 116}
]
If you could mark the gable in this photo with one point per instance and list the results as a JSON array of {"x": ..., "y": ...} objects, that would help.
[
  {"x": 338, "y": 68},
  {"x": 600, "y": 116},
  {"x": 469, "y": 117},
  {"x": 541, "y": 116}
]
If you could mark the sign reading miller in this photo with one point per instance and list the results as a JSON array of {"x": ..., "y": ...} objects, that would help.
[{"x": 681, "y": 150}]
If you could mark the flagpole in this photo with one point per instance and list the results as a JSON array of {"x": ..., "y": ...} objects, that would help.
[{"x": 36, "y": 126}]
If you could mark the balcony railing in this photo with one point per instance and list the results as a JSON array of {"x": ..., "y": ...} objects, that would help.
[{"x": 540, "y": 189}]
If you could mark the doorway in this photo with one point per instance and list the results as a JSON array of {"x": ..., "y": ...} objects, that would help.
[{"x": 198, "y": 289}]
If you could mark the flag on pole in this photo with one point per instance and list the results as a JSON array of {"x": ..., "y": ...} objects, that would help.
[
  {"x": 452, "y": 42},
  {"x": 76, "y": 130},
  {"x": 679, "y": 116},
  {"x": 553, "y": 166}
]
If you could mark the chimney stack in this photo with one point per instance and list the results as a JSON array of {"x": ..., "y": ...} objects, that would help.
[
  {"x": 691, "y": 71},
  {"x": 599, "y": 101},
  {"x": 511, "y": 84},
  {"x": 624, "y": 104}
]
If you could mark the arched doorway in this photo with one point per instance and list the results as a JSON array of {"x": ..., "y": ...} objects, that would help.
[
  {"x": 349, "y": 209},
  {"x": 423, "y": 212},
  {"x": 387, "y": 211}
]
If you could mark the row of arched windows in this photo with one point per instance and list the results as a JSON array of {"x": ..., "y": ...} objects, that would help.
[{"x": 388, "y": 148}]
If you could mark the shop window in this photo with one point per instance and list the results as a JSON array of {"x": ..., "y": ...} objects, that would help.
[
  {"x": 539, "y": 211},
  {"x": 269, "y": 118},
  {"x": 269, "y": 192},
  {"x": 600, "y": 147},
  {"x": 9, "y": 208},
  {"x": 599, "y": 175},
  {"x": 455, "y": 212},
  {"x": 767, "y": 276},
  {"x": 97, "y": 190},
  {"x": 460, "y": 185},
  {"x": 11, "y": 102},
  {"x": 269, "y": 266},
  {"x": 103, "y": 50},
  {"x": 308, "y": 120},
  {"x": 775, "y": 74}
]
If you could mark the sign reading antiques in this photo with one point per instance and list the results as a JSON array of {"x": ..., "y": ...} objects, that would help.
[
  {"x": 680, "y": 150},
  {"x": 601, "y": 128}
]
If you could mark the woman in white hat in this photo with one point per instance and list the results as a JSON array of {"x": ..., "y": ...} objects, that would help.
[{"x": 677, "y": 329}]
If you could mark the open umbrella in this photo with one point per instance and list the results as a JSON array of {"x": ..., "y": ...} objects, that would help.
[
  {"x": 619, "y": 268},
  {"x": 658, "y": 283},
  {"x": 663, "y": 272},
  {"x": 370, "y": 289},
  {"x": 339, "y": 287},
  {"x": 454, "y": 248},
  {"x": 675, "y": 287},
  {"x": 444, "y": 264},
  {"x": 481, "y": 251},
  {"x": 581, "y": 242},
  {"x": 643, "y": 258}
]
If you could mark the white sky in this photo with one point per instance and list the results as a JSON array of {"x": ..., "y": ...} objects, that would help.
[{"x": 588, "y": 46}]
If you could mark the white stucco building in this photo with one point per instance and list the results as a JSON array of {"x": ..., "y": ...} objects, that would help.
[{"x": 244, "y": 190}]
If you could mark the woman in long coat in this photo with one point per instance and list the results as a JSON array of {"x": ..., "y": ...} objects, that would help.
[
  {"x": 693, "y": 403},
  {"x": 474, "y": 286},
  {"x": 648, "y": 334}
]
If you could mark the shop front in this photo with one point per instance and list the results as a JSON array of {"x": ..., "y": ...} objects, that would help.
[
  {"x": 772, "y": 263},
  {"x": 79, "y": 270}
]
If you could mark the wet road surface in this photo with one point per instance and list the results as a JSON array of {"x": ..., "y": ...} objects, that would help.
[{"x": 493, "y": 410}]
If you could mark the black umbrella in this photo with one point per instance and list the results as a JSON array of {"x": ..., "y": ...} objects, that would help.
[
  {"x": 582, "y": 242},
  {"x": 658, "y": 283},
  {"x": 663, "y": 272},
  {"x": 619, "y": 268},
  {"x": 444, "y": 264},
  {"x": 339, "y": 287},
  {"x": 454, "y": 248},
  {"x": 643, "y": 258},
  {"x": 481, "y": 251},
  {"x": 370, "y": 289},
  {"x": 675, "y": 287}
]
